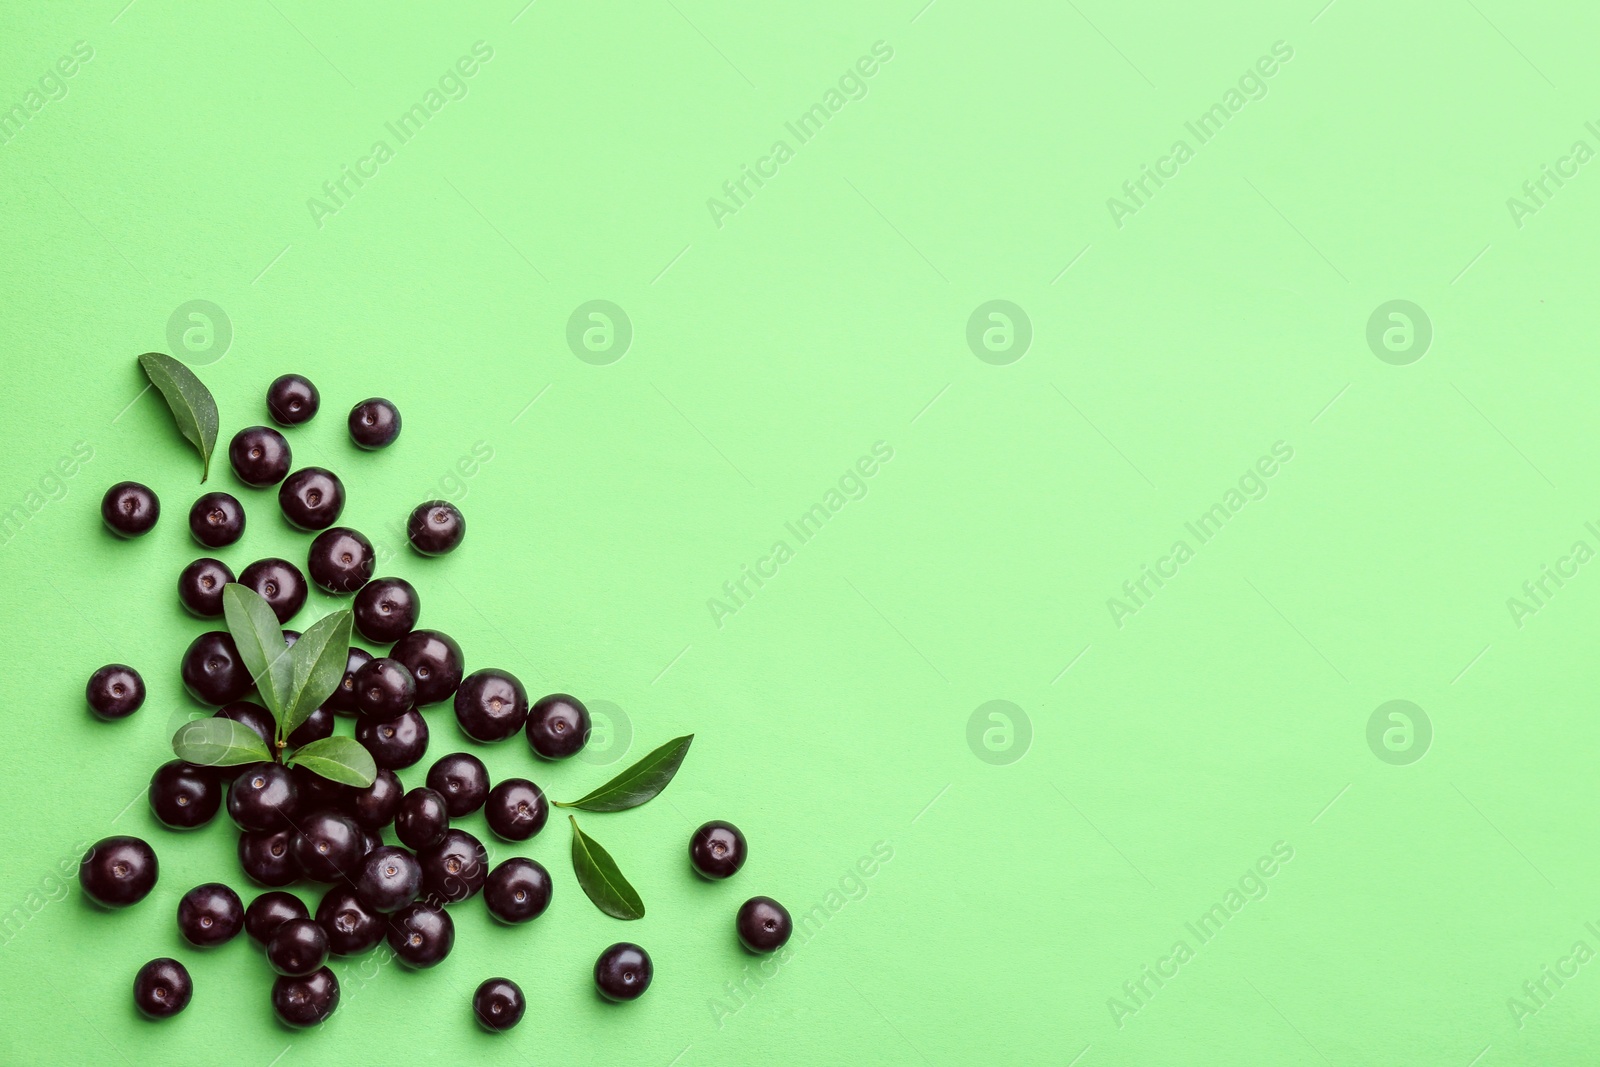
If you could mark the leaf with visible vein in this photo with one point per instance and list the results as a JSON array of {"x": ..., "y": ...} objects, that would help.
[
  {"x": 256, "y": 632},
  {"x": 339, "y": 759},
  {"x": 600, "y": 878},
  {"x": 318, "y": 661},
  {"x": 219, "y": 743},
  {"x": 638, "y": 783},
  {"x": 194, "y": 409}
]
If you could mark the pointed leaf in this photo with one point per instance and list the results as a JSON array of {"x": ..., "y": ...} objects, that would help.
[
  {"x": 318, "y": 661},
  {"x": 338, "y": 759},
  {"x": 600, "y": 878},
  {"x": 193, "y": 407},
  {"x": 261, "y": 643},
  {"x": 638, "y": 783},
  {"x": 219, "y": 743}
]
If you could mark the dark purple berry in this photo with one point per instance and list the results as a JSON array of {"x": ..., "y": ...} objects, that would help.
[
  {"x": 162, "y": 988},
  {"x": 763, "y": 924},
  {"x": 375, "y": 806},
  {"x": 558, "y": 726},
  {"x": 200, "y": 586},
  {"x": 717, "y": 849},
  {"x": 328, "y": 847},
  {"x": 115, "y": 691},
  {"x": 184, "y": 796},
  {"x": 118, "y": 871},
  {"x": 623, "y": 971},
  {"x": 463, "y": 781},
  {"x": 434, "y": 660},
  {"x": 374, "y": 423},
  {"x": 213, "y": 671},
  {"x": 314, "y": 792},
  {"x": 436, "y": 527},
  {"x": 269, "y": 911},
  {"x": 386, "y": 609},
  {"x": 343, "y": 700},
  {"x": 455, "y": 868},
  {"x": 396, "y": 743},
  {"x": 216, "y": 519},
  {"x": 421, "y": 820},
  {"x": 421, "y": 934},
  {"x": 517, "y": 890},
  {"x": 267, "y": 858},
  {"x": 311, "y": 498},
  {"x": 390, "y": 879},
  {"x": 129, "y": 509},
  {"x": 384, "y": 689},
  {"x": 350, "y": 926},
  {"x": 297, "y": 947},
  {"x": 260, "y": 456},
  {"x": 258, "y": 718},
  {"x": 279, "y": 583},
  {"x": 292, "y": 399},
  {"x": 262, "y": 798},
  {"x": 210, "y": 914},
  {"x": 340, "y": 560},
  {"x": 318, "y": 724},
  {"x": 491, "y": 705},
  {"x": 302, "y": 1002},
  {"x": 498, "y": 1004},
  {"x": 516, "y": 809}
]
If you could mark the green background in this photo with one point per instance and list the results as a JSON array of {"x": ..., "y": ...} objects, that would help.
[{"x": 1039, "y": 860}]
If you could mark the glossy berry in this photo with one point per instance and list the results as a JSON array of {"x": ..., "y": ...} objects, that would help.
[
  {"x": 340, "y": 560},
  {"x": 129, "y": 509},
  {"x": 302, "y": 1002},
  {"x": 343, "y": 700},
  {"x": 297, "y": 947},
  {"x": 262, "y": 798},
  {"x": 162, "y": 988},
  {"x": 491, "y": 705},
  {"x": 421, "y": 934},
  {"x": 421, "y": 819},
  {"x": 436, "y": 527},
  {"x": 384, "y": 689},
  {"x": 216, "y": 519},
  {"x": 394, "y": 743},
  {"x": 316, "y": 793},
  {"x": 115, "y": 691},
  {"x": 558, "y": 726},
  {"x": 386, "y": 609},
  {"x": 200, "y": 586},
  {"x": 270, "y": 910},
  {"x": 623, "y": 971},
  {"x": 318, "y": 724},
  {"x": 118, "y": 871},
  {"x": 454, "y": 868},
  {"x": 374, "y": 423},
  {"x": 717, "y": 849},
  {"x": 351, "y": 927},
  {"x": 210, "y": 914},
  {"x": 517, "y": 890},
  {"x": 213, "y": 671},
  {"x": 463, "y": 781},
  {"x": 292, "y": 400},
  {"x": 184, "y": 796},
  {"x": 390, "y": 879},
  {"x": 259, "y": 456},
  {"x": 311, "y": 498},
  {"x": 258, "y": 718},
  {"x": 434, "y": 660},
  {"x": 498, "y": 1004},
  {"x": 267, "y": 858},
  {"x": 516, "y": 809},
  {"x": 279, "y": 582},
  {"x": 328, "y": 847},
  {"x": 763, "y": 924},
  {"x": 375, "y": 806}
]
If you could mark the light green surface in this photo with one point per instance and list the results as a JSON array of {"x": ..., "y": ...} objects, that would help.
[{"x": 1166, "y": 757}]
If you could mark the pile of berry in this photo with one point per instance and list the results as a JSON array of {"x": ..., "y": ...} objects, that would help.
[{"x": 317, "y": 809}]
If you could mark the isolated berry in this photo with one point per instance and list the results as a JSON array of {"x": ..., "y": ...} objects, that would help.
[
  {"x": 115, "y": 691},
  {"x": 216, "y": 519},
  {"x": 717, "y": 849},
  {"x": 517, "y": 890},
  {"x": 213, "y": 671},
  {"x": 270, "y": 910},
  {"x": 374, "y": 423},
  {"x": 267, "y": 858},
  {"x": 162, "y": 988},
  {"x": 260, "y": 456},
  {"x": 434, "y": 660},
  {"x": 130, "y": 509},
  {"x": 292, "y": 400},
  {"x": 340, "y": 560},
  {"x": 421, "y": 819},
  {"x": 311, "y": 498},
  {"x": 436, "y": 527},
  {"x": 297, "y": 947},
  {"x": 623, "y": 971},
  {"x": 454, "y": 868},
  {"x": 394, "y": 743},
  {"x": 390, "y": 879},
  {"x": 210, "y": 914},
  {"x": 386, "y": 609},
  {"x": 558, "y": 726},
  {"x": 763, "y": 924},
  {"x": 200, "y": 586},
  {"x": 499, "y": 1004},
  {"x": 184, "y": 796},
  {"x": 351, "y": 927},
  {"x": 302, "y": 1002},
  {"x": 463, "y": 781},
  {"x": 279, "y": 582},
  {"x": 421, "y": 934},
  {"x": 491, "y": 705},
  {"x": 516, "y": 809},
  {"x": 343, "y": 700},
  {"x": 118, "y": 871},
  {"x": 384, "y": 689}
]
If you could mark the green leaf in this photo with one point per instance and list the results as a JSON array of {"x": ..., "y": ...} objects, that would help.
[
  {"x": 260, "y": 639},
  {"x": 638, "y": 783},
  {"x": 193, "y": 407},
  {"x": 338, "y": 759},
  {"x": 317, "y": 661},
  {"x": 602, "y": 882},
  {"x": 219, "y": 743}
]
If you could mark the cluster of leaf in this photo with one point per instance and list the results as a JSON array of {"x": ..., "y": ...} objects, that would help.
[{"x": 293, "y": 682}]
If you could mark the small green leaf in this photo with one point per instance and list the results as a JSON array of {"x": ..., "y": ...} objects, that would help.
[
  {"x": 318, "y": 661},
  {"x": 260, "y": 639},
  {"x": 193, "y": 407},
  {"x": 638, "y": 783},
  {"x": 219, "y": 743},
  {"x": 338, "y": 759},
  {"x": 600, "y": 878}
]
